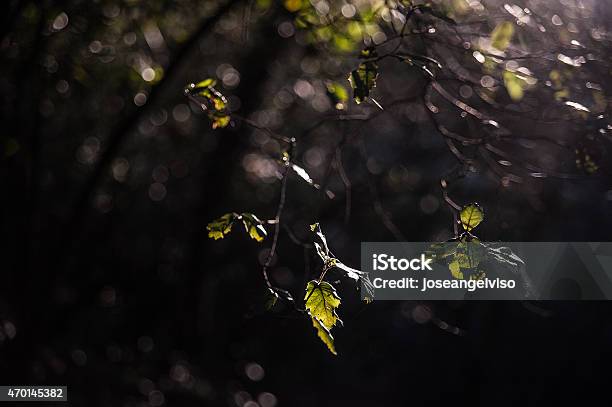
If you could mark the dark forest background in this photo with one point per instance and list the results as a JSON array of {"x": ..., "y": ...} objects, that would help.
[{"x": 109, "y": 175}]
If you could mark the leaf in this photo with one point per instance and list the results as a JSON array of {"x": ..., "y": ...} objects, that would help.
[
  {"x": 324, "y": 334},
  {"x": 206, "y": 83},
  {"x": 211, "y": 100},
  {"x": 514, "y": 86},
  {"x": 363, "y": 79},
  {"x": 471, "y": 215},
  {"x": 470, "y": 254},
  {"x": 337, "y": 94},
  {"x": 322, "y": 302},
  {"x": 220, "y": 227},
  {"x": 274, "y": 293},
  {"x": 455, "y": 269},
  {"x": 331, "y": 262},
  {"x": 301, "y": 172},
  {"x": 253, "y": 226},
  {"x": 220, "y": 121},
  {"x": 502, "y": 35},
  {"x": 358, "y": 275},
  {"x": 324, "y": 250}
]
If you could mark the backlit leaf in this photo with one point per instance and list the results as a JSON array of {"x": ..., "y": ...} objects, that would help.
[
  {"x": 301, "y": 172},
  {"x": 502, "y": 35},
  {"x": 322, "y": 302},
  {"x": 471, "y": 215},
  {"x": 253, "y": 226},
  {"x": 358, "y": 275},
  {"x": 324, "y": 334},
  {"x": 514, "y": 85},
  {"x": 331, "y": 262},
  {"x": 211, "y": 100},
  {"x": 220, "y": 227}
]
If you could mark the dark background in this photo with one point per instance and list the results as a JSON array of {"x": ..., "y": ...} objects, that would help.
[{"x": 111, "y": 286}]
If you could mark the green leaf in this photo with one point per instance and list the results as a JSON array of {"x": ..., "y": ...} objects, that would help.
[
  {"x": 220, "y": 227},
  {"x": 514, "y": 86},
  {"x": 322, "y": 302},
  {"x": 324, "y": 334},
  {"x": 363, "y": 79},
  {"x": 502, "y": 35},
  {"x": 338, "y": 95},
  {"x": 471, "y": 215},
  {"x": 211, "y": 100}
]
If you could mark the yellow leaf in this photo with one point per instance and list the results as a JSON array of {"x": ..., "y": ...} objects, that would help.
[
  {"x": 322, "y": 302},
  {"x": 324, "y": 334},
  {"x": 206, "y": 83},
  {"x": 220, "y": 122},
  {"x": 218, "y": 228},
  {"x": 471, "y": 215},
  {"x": 253, "y": 226},
  {"x": 514, "y": 86},
  {"x": 254, "y": 233},
  {"x": 293, "y": 5}
]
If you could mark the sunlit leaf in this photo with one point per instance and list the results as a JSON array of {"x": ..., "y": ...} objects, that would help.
[
  {"x": 324, "y": 334},
  {"x": 301, "y": 172},
  {"x": 253, "y": 226},
  {"x": 361, "y": 276},
  {"x": 324, "y": 249},
  {"x": 471, "y": 215},
  {"x": 222, "y": 226},
  {"x": 502, "y": 35},
  {"x": 514, "y": 86},
  {"x": 322, "y": 302},
  {"x": 577, "y": 106},
  {"x": 220, "y": 121},
  {"x": 363, "y": 79},
  {"x": 331, "y": 262},
  {"x": 206, "y": 83},
  {"x": 211, "y": 100}
]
